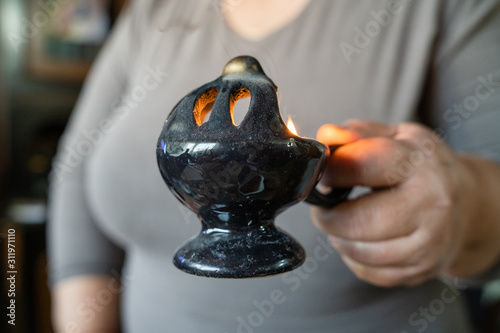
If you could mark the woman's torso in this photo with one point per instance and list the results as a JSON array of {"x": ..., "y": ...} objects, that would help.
[{"x": 326, "y": 72}]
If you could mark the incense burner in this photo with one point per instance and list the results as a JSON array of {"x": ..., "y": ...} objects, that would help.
[{"x": 237, "y": 179}]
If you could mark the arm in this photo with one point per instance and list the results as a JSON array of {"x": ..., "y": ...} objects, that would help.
[
  {"x": 86, "y": 304},
  {"x": 82, "y": 259},
  {"x": 467, "y": 69}
]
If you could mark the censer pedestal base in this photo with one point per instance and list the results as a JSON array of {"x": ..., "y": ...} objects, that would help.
[{"x": 256, "y": 252}]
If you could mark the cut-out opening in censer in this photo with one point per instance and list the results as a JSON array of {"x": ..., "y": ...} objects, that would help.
[{"x": 239, "y": 104}]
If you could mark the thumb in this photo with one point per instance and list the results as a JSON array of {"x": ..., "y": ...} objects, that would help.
[
  {"x": 334, "y": 135},
  {"x": 347, "y": 156},
  {"x": 352, "y": 130}
]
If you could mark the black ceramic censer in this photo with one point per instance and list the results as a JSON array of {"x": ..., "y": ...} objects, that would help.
[{"x": 238, "y": 178}]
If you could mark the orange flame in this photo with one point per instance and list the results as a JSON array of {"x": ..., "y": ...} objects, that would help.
[{"x": 291, "y": 126}]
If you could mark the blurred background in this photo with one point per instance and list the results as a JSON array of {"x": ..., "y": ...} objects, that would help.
[{"x": 46, "y": 49}]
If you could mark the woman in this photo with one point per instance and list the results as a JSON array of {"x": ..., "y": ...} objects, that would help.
[{"x": 431, "y": 214}]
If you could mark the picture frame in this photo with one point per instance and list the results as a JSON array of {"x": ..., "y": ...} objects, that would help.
[{"x": 68, "y": 36}]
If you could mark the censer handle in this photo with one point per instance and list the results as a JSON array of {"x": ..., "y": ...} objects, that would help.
[{"x": 332, "y": 198}]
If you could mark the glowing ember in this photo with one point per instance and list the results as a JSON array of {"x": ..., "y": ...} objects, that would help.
[{"x": 291, "y": 126}]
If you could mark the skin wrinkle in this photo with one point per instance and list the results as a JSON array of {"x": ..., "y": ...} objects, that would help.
[
  {"x": 455, "y": 200},
  {"x": 385, "y": 277},
  {"x": 360, "y": 252},
  {"x": 442, "y": 204}
]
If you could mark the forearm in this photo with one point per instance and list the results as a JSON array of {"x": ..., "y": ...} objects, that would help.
[
  {"x": 88, "y": 304},
  {"x": 480, "y": 249}
]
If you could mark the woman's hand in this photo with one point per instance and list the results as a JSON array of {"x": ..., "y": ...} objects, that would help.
[{"x": 421, "y": 219}]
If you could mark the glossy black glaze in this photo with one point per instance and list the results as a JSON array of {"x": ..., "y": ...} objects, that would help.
[{"x": 238, "y": 178}]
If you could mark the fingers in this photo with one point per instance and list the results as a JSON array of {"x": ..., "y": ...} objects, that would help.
[
  {"x": 377, "y": 216},
  {"x": 415, "y": 132},
  {"x": 385, "y": 247},
  {"x": 391, "y": 276},
  {"x": 404, "y": 251}
]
